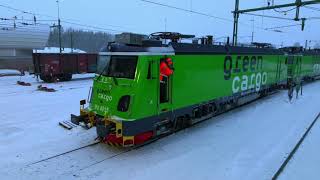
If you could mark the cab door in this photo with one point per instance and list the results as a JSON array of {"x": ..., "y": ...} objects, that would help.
[
  {"x": 165, "y": 93},
  {"x": 290, "y": 63},
  {"x": 278, "y": 73},
  {"x": 294, "y": 68},
  {"x": 299, "y": 67}
]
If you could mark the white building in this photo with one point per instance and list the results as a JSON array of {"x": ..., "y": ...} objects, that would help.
[{"x": 17, "y": 44}]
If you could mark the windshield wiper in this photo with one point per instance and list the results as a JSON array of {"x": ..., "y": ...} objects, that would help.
[{"x": 115, "y": 80}]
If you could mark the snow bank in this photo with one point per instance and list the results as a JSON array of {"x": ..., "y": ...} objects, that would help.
[
  {"x": 57, "y": 50},
  {"x": 9, "y": 72}
]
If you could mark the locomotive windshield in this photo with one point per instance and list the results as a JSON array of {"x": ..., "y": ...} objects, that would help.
[
  {"x": 103, "y": 62},
  {"x": 118, "y": 66}
]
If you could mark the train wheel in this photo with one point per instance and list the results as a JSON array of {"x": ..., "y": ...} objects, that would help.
[
  {"x": 65, "y": 77},
  {"x": 47, "y": 79},
  {"x": 68, "y": 77}
]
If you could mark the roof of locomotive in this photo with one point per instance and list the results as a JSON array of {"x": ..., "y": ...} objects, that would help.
[
  {"x": 301, "y": 51},
  {"x": 185, "y": 48},
  {"x": 136, "y": 44},
  {"x": 127, "y": 49},
  {"x": 312, "y": 52}
]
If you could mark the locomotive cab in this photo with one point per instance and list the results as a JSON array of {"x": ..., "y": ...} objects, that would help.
[
  {"x": 112, "y": 88},
  {"x": 126, "y": 91}
]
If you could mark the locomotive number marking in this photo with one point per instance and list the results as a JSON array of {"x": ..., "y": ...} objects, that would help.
[{"x": 104, "y": 109}]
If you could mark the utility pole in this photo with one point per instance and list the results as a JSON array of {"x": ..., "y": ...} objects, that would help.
[
  {"x": 59, "y": 27},
  {"x": 235, "y": 23},
  {"x": 298, "y": 4},
  {"x": 252, "y": 37},
  {"x": 306, "y": 45},
  {"x": 71, "y": 38}
]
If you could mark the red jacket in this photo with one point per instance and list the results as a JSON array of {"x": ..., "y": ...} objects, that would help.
[{"x": 165, "y": 70}]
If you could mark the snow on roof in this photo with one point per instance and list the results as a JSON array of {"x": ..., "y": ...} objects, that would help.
[
  {"x": 57, "y": 50},
  {"x": 26, "y": 37}
]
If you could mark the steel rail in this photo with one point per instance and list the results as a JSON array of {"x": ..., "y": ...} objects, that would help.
[{"x": 294, "y": 150}]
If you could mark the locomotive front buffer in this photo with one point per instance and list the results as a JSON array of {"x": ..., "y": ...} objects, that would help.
[{"x": 109, "y": 129}]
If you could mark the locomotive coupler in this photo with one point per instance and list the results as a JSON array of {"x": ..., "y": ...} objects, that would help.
[{"x": 86, "y": 118}]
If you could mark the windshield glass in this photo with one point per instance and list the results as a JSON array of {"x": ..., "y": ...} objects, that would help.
[
  {"x": 103, "y": 62},
  {"x": 118, "y": 66}
]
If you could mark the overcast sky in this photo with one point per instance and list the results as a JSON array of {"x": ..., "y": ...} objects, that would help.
[{"x": 142, "y": 17}]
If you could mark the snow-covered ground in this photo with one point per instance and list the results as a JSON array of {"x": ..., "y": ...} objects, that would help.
[
  {"x": 250, "y": 142},
  {"x": 9, "y": 72},
  {"x": 305, "y": 163}
]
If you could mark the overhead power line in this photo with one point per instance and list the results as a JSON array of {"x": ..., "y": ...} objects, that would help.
[
  {"x": 281, "y": 18},
  {"x": 297, "y": 5},
  {"x": 15, "y": 9},
  {"x": 68, "y": 21},
  {"x": 279, "y": 27},
  {"x": 284, "y": 11},
  {"x": 200, "y": 13},
  {"x": 93, "y": 27},
  {"x": 29, "y": 12},
  {"x": 23, "y": 19},
  {"x": 312, "y": 8},
  {"x": 314, "y": 18},
  {"x": 267, "y": 16},
  {"x": 187, "y": 10}
]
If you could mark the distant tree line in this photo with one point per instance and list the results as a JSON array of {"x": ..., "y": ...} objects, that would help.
[{"x": 88, "y": 41}]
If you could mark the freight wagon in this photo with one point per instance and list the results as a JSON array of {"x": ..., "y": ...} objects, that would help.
[{"x": 60, "y": 67}]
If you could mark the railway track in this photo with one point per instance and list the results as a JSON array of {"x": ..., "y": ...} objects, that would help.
[
  {"x": 294, "y": 150},
  {"x": 117, "y": 154},
  {"x": 124, "y": 152},
  {"x": 275, "y": 176},
  {"x": 153, "y": 140},
  {"x": 64, "y": 153},
  {"x": 133, "y": 148},
  {"x": 163, "y": 136},
  {"x": 91, "y": 145}
]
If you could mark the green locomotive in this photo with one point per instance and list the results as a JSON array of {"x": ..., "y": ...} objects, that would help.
[{"x": 132, "y": 102}]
